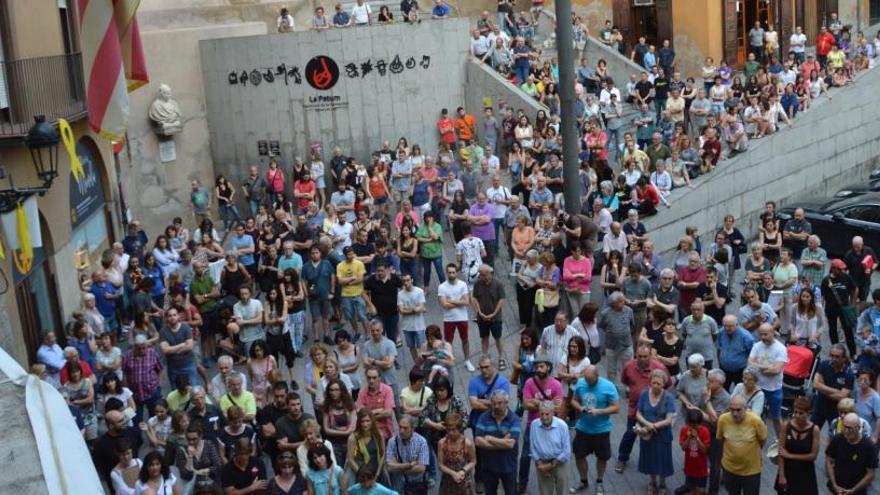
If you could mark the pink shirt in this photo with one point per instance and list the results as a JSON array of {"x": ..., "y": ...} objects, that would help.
[
  {"x": 571, "y": 267},
  {"x": 552, "y": 390},
  {"x": 383, "y": 399}
]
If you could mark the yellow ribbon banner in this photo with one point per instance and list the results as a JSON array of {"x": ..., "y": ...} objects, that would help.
[{"x": 76, "y": 167}]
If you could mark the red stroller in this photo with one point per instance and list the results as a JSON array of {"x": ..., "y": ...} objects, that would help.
[{"x": 797, "y": 376}]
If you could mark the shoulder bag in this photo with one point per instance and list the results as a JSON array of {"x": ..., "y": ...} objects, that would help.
[{"x": 419, "y": 487}]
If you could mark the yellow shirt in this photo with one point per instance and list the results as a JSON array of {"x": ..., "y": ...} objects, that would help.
[
  {"x": 177, "y": 401},
  {"x": 836, "y": 59},
  {"x": 246, "y": 402},
  {"x": 348, "y": 269},
  {"x": 742, "y": 443}
]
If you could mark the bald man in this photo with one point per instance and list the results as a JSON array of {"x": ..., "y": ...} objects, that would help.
[
  {"x": 850, "y": 459},
  {"x": 596, "y": 400},
  {"x": 104, "y": 453},
  {"x": 742, "y": 434}
]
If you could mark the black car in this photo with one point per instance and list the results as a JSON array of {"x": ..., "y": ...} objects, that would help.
[
  {"x": 837, "y": 220},
  {"x": 870, "y": 185}
]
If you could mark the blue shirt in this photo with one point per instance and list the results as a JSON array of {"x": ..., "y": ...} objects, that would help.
[
  {"x": 317, "y": 278},
  {"x": 243, "y": 242},
  {"x": 733, "y": 350},
  {"x": 341, "y": 19},
  {"x": 441, "y": 10},
  {"x": 499, "y": 461},
  {"x": 598, "y": 396},
  {"x": 478, "y": 387},
  {"x": 294, "y": 261},
  {"x": 378, "y": 489},
  {"x": 870, "y": 318},
  {"x": 549, "y": 443},
  {"x": 523, "y": 61},
  {"x": 105, "y": 306},
  {"x": 649, "y": 61}
]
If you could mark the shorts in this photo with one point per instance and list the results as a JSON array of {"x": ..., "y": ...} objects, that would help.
[
  {"x": 380, "y": 201},
  {"x": 319, "y": 307},
  {"x": 354, "y": 308},
  {"x": 586, "y": 444},
  {"x": 400, "y": 195},
  {"x": 414, "y": 339},
  {"x": 694, "y": 482},
  {"x": 319, "y": 182},
  {"x": 773, "y": 403},
  {"x": 281, "y": 345},
  {"x": 489, "y": 326},
  {"x": 449, "y": 330}
]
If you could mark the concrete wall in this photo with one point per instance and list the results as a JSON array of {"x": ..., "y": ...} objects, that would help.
[
  {"x": 696, "y": 34},
  {"x": 157, "y": 192},
  {"x": 358, "y": 113},
  {"x": 483, "y": 82},
  {"x": 833, "y": 144}
]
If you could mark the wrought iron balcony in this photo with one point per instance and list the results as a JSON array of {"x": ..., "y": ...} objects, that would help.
[{"x": 52, "y": 86}]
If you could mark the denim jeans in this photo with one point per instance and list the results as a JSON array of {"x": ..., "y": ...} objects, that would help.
[
  {"x": 497, "y": 223},
  {"x": 409, "y": 266},
  {"x": 296, "y": 323},
  {"x": 426, "y": 270},
  {"x": 254, "y": 204},
  {"x": 189, "y": 370},
  {"x": 615, "y": 135},
  {"x": 148, "y": 404},
  {"x": 522, "y": 73},
  {"x": 229, "y": 213},
  {"x": 614, "y": 361},
  {"x": 627, "y": 441}
]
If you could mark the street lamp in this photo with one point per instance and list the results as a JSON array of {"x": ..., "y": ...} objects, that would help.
[{"x": 42, "y": 142}]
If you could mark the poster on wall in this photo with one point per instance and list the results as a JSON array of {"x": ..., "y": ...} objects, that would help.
[
  {"x": 87, "y": 195},
  {"x": 24, "y": 262}
]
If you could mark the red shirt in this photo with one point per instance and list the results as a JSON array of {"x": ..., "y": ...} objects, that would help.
[
  {"x": 807, "y": 68},
  {"x": 638, "y": 380},
  {"x": 712, "y": 151},
  {"x": 650, "y": 194},
  {"x": 447, "y": 130},
  {"x": 685, "y": 274},
  {"x": 303, "y": 187},
  {"x": 275, "y": 180},
  {"x": 823, "y": 43},
  {"x": 696, "y": 463},
  {"x": 597, "y": 145},
  {"x": 86, "y": 371}
]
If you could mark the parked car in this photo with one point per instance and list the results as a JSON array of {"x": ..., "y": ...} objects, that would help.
[
  {"x": 870, "y": 185},
  {"x": 837, "y": 220}
]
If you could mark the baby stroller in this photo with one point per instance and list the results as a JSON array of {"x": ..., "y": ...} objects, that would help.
[{"x": 797, "y": 376}]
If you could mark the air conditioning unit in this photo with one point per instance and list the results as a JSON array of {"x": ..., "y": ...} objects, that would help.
[{"x": 643, "y": 3}]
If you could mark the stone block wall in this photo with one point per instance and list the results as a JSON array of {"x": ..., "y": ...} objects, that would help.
[{"x": 833, "y": 144}]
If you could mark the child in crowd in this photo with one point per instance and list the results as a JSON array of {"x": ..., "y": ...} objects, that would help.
[{"x": 694, "y": 440}]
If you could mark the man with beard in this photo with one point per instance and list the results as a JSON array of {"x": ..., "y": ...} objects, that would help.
[
  {"x": 287, "y": 428},
  {"x": 267, "y": 416},
  {"x": 580, "y": 228}
]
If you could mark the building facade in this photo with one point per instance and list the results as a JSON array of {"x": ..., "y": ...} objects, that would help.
[{"x": 41, "y": 74}]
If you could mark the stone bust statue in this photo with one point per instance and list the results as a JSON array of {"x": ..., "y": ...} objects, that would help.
[{"x": 165, "y": 113}]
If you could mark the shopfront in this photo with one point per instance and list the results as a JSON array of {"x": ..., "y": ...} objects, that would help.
[{"x": 89, "y": 215}]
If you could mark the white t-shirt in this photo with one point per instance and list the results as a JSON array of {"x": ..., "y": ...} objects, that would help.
[
  {"x": 454, "y": 292},
  {"x": 498, "y": 193},
  {"x": 361, "y": 13},
  {"x": 411, "y": 299},
  {"x": 767, "y": 355},
  {"x": 341, "y": 230},
  {"x": 798, "y": 42},
  {"x": 470, "y": 250},
  {"x": 165, "y": 488},
  {"x": 252, "y": 331}
]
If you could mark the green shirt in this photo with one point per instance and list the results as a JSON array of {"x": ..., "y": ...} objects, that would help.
[
  {"x": 432, "y": 249},
  {"x": 751, "y": 69},
  {"x": 200, "y": 286}
]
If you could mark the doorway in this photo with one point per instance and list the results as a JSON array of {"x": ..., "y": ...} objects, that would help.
[
  {"x": 747, "y": 13},
  {"x": 644, "y": 23},
  {"x": 37, "y": 307}
]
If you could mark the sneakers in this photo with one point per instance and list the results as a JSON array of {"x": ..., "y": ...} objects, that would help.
[
  {"x": 502, "y": 365},
  {"x": 469, "y": 366},
  {"x": 580, "y": 488},
  {"x": 600, "y": 489},
  {"x": 293, "y": 385}
]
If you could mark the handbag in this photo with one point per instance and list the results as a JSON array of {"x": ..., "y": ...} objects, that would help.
[
  {"x": 594, "y": 355},
  {"x": 419, "y": 487},
  {"x": 848, "y": 312}
]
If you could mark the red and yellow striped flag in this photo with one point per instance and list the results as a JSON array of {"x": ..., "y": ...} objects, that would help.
[{"x": 113, "y": 62}]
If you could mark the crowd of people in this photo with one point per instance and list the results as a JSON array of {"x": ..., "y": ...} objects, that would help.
[
  {"x": 690, "y": 122},
  {"x": 697, "y": 344},
  {"x": 361, "y": 14}
]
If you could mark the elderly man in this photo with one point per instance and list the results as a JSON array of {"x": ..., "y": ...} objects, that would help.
[
  {"x": 868, "y": 327},
  {"x": 480, "y": 217},
  {"x": 487, "y": 301},
  {"x": 207, "y": 415},
  {"x": 742, "y": 434},
  {"x": 700, "y": 331},
  {"x": 860, "y": 262},
  {"x": 238, "y": 396},
  {"x": 105, "y": 456},
  {"x": 217, "y": 387},
  {"x": 717, "y": 404},
  {"x": 551, "y": 449},
  {"x": 406, "y": 454},
  {"x": 51, "y": 355},
  {"x": 689, "y": 279},
  {"x": 734, "y": 345},
  {"x": 833, "y": 381},
  {"x": 850, "y": 460},
  {"x": 813, "y": 261},
  {"x": 665, "y": 295},
  {"x": 596, "y": 401},
  {"x": 496, "y": 435},
  {"x": 618, "y": 323},
  {"x": 637, "y": 289},
  {"x": 769, "y": 356},
  {"x": 514, "y": 211},
  {"x": 142, "y": 369},
  {"x": 615, "y": 240},
  {"x": 650, "y": 262},
  {"x": 555, "y": 338},
  {"x": 540, "y": 388},
  {"x": 636, "y": 376}
]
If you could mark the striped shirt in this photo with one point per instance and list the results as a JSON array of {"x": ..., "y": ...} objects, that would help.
[{"x": 499, "y": 461}]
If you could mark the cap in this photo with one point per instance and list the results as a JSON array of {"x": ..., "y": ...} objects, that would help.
[{"x": 839, "y": 264}]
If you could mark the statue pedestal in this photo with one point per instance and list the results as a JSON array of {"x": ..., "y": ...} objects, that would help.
[
  {"x": 167, "y": 128},
  {"x": 167, "y": 150}
]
